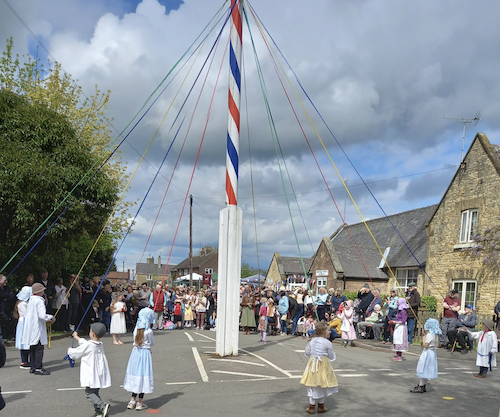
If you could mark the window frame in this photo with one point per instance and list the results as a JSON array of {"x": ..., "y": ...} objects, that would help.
[
  {"x": 406, "y": 278},
  {"x": 468, "y": 228},
  {"x": 463, "y": 295}
]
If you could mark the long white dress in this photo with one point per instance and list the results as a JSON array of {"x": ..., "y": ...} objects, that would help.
[
  {"x": 118, "y": 325},
  {"x": 427, "y": 366},
  {"x": 22, "y": 309},
  {"x": 486, "y": 345},
  {"x": 139, "y": 374},
  {"x": 35, "y": 329},
  {"x": 94, "y": 370}
]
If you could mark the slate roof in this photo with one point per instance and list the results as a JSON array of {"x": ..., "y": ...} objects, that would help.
[
  {"x": 410, "y": 225},
  {"x": 292, "y": 265},
  {"x": 197, "y": 260}
]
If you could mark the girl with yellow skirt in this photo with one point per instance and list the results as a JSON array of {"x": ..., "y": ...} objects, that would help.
[{"x": 318, "y": 376}]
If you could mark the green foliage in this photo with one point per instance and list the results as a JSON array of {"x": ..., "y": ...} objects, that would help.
[
  {"x": 350, "y": 295},
  {"x": 42, "y": 159},
  {"x": 429, "y": 302}
]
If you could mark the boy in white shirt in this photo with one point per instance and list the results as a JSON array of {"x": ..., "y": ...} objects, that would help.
[
  {"x": 487, "y": 347},
  {"x": 94, "y": 371}
]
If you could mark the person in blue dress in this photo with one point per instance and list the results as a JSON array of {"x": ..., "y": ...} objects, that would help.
[{"x": 427, "y": 367}]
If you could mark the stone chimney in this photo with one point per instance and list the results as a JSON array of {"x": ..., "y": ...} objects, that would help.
[
  {"x": 159, "y": 262},
  {"x": 150, "y": 260},
  {"x": 202, "y": 252}
]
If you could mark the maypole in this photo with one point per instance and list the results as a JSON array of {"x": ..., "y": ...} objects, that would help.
[{"x": 230, "y": 227}]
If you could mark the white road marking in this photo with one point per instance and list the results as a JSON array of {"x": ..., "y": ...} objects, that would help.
[
  {"x": 15, "y": 392},
  {"x": 347, "y": 370},
  {"x": 179, "y": 383},
  {"x": 199, "y": 363},
  {"x": 379, "y": 369},
  {"x": 443, "y": 373},
  {"x": 393, "y": 374},
  {"x": 204, "y": 341},
  {"x": 288, "y": 374},
  {"x": 70, "y": 389},
  {"x": 207, "y": 337},
  {"x": 190, "y": 338},
  {"x": 300, "y": 351},
  {"x": 244, "y": 374},
  {"x": 237, "y": 361},
  {"x": 352, "y": 375},
  {"x": 457, "y": 369}
]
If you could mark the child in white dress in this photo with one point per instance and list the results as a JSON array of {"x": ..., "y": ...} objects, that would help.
[
  {"x": 427, "y": 367},
  {"x": 20, "y": 313},
  {"x": 318, "y": 376},
  {"x": 118, "y": 325},
  {"x": 139, "y": 374},
  {"x": 487, "y": 347},
  {"x": 94, "y": 370}
]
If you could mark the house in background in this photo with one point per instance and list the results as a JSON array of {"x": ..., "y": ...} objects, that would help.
[
  {"x": 469, "y": 205},
  {"x": 288, "y": 269},
  {"x": 350, "y": 258},
  {"x": 151, "y": 273},
  {"x": 117, "y": 277},
  {"x": 206, "y": 263}
]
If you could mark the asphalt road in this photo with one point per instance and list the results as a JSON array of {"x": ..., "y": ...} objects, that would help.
[{"x": 263, "y": 380}]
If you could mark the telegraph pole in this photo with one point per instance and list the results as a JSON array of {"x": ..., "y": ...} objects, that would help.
[{"x": 190, "y": 240}]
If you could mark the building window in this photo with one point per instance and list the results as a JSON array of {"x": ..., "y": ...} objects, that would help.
[
  {"x": 209, "y": 270},
  {"x": 468, "y": 225},
  {"x": 405, "y": 276},
  {"x": 322, "y": 282},
  {"x": 186, "y": 271},
  {"x": 466, "y": 292}
]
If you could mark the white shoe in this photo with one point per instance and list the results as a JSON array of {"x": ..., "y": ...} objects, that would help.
[
  {"x": 131, "y": 405},
  {"x": 141, "y": 406}
]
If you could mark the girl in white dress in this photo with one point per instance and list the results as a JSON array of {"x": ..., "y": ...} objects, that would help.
[
  {"x": 139, "y": 374},
  {"x": 20, "y": 313},
  {"x": 318, "y": 376},
  {"x": 118, "y": 325},
  {"x": 427, "y": 367}
]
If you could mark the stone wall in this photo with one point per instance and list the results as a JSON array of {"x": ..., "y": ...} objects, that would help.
[
  {"x": 475, "y": 187},
  {"x": 323, "y": 262},
  {"x": 273, "y": 274}
]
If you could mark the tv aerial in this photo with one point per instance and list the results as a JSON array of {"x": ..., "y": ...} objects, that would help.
[{"x": 465, "y": 120}]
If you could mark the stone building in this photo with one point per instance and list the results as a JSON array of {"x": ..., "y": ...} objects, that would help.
[
  {"x": 469, "y": 205},
  {"x": 350, "y": 258},
  {"x": 289, "y": 270},
  {"x": 152, "y": 273}
]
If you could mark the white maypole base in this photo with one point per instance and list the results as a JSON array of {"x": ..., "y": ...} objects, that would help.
[{"x": 228, "y": 285}]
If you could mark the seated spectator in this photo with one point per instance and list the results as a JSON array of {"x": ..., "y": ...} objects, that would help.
[
  {"x": 370, "y": 321},
  {"x": 335, "y": 324},
  {"x": 459, "y": 333}
]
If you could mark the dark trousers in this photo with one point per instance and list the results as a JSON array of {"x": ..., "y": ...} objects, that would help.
[
  {"x": 72, "y": 313},
  {"x": 483, "y": 370},
  {"x": 321, "y": 312},
  {"x": 93, "y": 396},
  {"x": 461, "y": 337},
  {"x": 36, "y": 352},
  {"x": 25, "y": 356},
  {"x": 387, "y": 331}
]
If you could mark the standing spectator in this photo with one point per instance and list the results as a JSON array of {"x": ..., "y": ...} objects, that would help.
[
  {"x": 3, "y": 357},
  {"x": 49, "y": 290},
  {"x": 366, "y": 297},
  {"x": 7, "y": 302},
  {"x": 74, "y": 301},
  {"x": 158, "y": 302},
  {"x": 497, "y": 312},
  {"x": 451, "y": 307},
  {"x": 87, "y": 292},
  {"x": 321, "y": 303},
  {"x": 283, "y": 306},
  {"x": 200, "y": 307},
  {"x": 338, "y": 299},
  {"x": 298, "y": 310},
  {"x": 35, "y": 328},
  {"x": 104, "y": 298},
  {"x": 210, "y": 305},
  {"x": 391, "y": 308},
  {"x": 413, "y": 300},
  {"x": 329, "y": 300},
  {"x": 144, "y": 296},
  {"x": 60, "y": 306}
]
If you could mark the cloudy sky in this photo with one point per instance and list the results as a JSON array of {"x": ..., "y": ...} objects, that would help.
[{"x": 383, "y": 75}]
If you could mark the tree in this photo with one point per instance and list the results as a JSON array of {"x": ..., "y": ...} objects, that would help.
[
  {"x": 49, "y": 139},
  {"x": 247, "y": 270}
]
